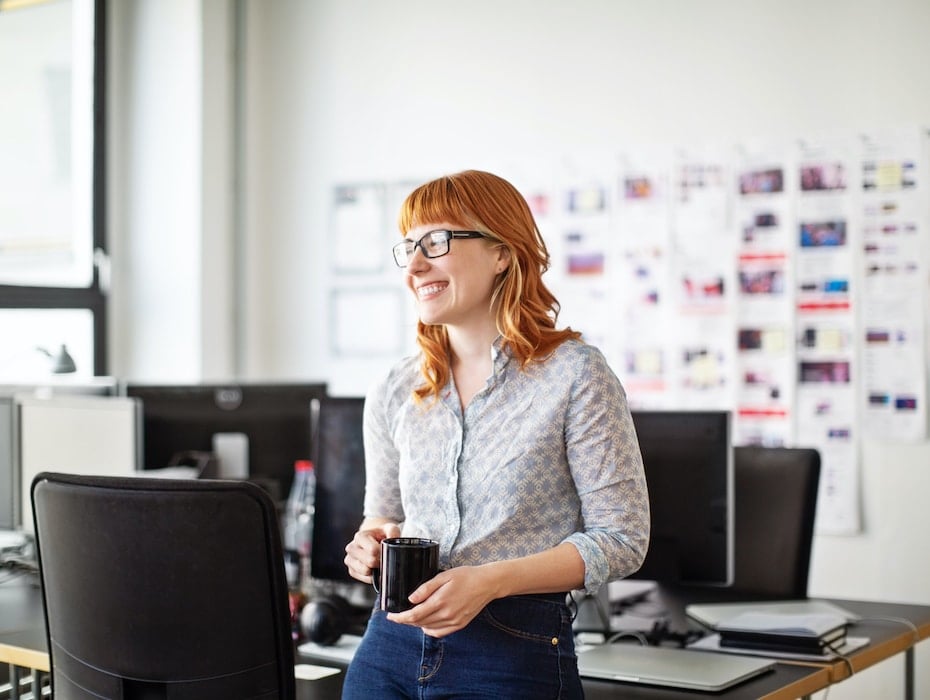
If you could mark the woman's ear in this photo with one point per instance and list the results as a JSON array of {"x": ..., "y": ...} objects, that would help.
[{"x": 503, "y": 259}]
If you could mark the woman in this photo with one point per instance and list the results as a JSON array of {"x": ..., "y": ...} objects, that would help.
[{"x": 508, "y": 441}]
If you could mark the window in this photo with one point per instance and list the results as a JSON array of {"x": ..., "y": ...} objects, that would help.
[{"x": 52, "y": 213}]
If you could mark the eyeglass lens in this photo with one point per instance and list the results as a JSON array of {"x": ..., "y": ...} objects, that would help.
[{"x": 433, "y": 244}]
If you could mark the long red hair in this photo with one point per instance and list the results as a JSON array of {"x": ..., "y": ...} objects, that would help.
[{"x": 526, "y": 310}]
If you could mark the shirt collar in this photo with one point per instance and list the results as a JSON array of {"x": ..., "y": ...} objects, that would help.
[{"x": 500, "y": 355}]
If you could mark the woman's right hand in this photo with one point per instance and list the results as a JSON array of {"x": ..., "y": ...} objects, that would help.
[{"x": 363, "y": 553}]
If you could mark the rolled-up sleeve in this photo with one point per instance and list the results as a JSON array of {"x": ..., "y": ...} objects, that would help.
[
  {"x": 382, "y": 489},
  {"x": 607, "y": 467}
]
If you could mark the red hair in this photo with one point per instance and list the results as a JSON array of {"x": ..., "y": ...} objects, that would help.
[{"x": 526, "y": 309}]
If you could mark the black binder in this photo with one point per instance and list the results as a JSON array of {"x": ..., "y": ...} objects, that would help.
[{"x": 809, "y": 634}]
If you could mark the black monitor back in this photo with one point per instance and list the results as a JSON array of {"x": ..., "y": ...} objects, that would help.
[
  {"x": 776, "y": 505},
  {"x": 687, "y": 457},
  {"x": 339, "y": 458},
  {"x": 274, "y": 417},
  {"x": 775, "y": 509}
]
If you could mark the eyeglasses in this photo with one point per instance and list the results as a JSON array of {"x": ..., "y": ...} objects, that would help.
[{"x": 434, "y": 244}]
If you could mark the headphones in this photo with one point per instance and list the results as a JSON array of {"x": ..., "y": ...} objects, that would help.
[{"x": 324, "y": 620}]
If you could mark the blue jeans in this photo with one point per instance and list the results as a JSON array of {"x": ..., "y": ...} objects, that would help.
[{"x": 519, "y": 647}]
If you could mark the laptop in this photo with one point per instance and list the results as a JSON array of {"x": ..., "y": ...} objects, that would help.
[
  {"x": 669, "y": 666},
  {"x": 712, "y": 614}
]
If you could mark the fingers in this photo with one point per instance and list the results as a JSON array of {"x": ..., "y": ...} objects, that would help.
[
  {"x": 426, "y": 589},
  {"x": 438, "y": 610},
  {"x": 357, "y": 570},
  {"x": 363, "y": 553},
  {"x": 425, "y": 604}
]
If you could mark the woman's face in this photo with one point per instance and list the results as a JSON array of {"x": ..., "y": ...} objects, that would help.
[{"x": 455, "y": 289}]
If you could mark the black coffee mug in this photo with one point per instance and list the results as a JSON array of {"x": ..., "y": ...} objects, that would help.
[{"x": 406, "y": 562}]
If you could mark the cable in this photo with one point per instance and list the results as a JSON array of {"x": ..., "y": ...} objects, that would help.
[
  {"x": 620, "y": 635},
  {"x": 835, "y": 650},
  {"x": 572, "y": 606},
  {"x": 845, "y": 657},
  {"x": 898, "y": 620}
]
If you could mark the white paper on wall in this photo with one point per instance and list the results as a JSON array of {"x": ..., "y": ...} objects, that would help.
[
  {"x": 894, "y": 275},
  {"x": 357, "y": 241},
  {"x": 764, "y": 220},
  {"x": 827, "y": 246}
]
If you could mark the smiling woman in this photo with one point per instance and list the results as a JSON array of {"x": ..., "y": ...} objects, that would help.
[
  {"x": 509, "y": 442},
  {"x": 52, "y": 253}
]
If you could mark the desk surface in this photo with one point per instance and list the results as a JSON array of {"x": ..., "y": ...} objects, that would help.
[
  {"x": 886, "y": 626},
  {"x": 22, "y": 642}
]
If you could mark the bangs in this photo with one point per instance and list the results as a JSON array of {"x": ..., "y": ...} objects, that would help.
[{"x": 435, "y": 202}]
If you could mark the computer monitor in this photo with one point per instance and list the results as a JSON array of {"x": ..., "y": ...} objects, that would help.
[
  {"x": 688, "y": 460},
  {"x": 270, "y": 421},
  {"x": 339, "y": 460}
]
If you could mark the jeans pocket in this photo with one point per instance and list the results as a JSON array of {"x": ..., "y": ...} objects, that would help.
[{"x": 528, "y": 618}]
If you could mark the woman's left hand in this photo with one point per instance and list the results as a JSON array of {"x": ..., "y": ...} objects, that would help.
[{"x": 448, "y": 601}]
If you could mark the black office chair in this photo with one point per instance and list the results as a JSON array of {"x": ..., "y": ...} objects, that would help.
[
  {"x": 158, "y": 588},
  {"x": 776, "y": 503}
]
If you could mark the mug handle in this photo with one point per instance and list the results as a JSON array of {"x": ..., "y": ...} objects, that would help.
[{"x": 376, "y": 573}]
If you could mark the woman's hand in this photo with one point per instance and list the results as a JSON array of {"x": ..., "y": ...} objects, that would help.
[
  {"x": 451, "y": 599},
  {"x": 363, "y": 553},
  {"x": 448, "y": 601}
]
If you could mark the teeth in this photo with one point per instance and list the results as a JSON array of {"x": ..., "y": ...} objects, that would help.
[{"x": 430, "y": 289}]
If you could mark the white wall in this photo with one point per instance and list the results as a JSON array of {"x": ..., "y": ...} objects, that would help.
[
  {"x": 340, "y": 90},
  {"x": 170, "y": 189}
]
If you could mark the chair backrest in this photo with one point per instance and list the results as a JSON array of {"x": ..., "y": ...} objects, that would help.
[
  {"x": 776, "y": 501},
  {"x": 158, "y": 588}
]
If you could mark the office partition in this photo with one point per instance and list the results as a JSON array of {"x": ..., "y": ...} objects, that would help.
[
  {"x": 92, "y": 435},
  {"x": 9, "y": 456}
]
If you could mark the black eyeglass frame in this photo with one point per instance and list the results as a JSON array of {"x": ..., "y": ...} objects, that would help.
[{"x": 401, "y": 248}]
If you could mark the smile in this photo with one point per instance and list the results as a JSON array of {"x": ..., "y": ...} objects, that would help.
[{"x": 430, "y": 289}]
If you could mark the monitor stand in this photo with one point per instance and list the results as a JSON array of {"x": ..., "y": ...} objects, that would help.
[
  {"x": 671, "y": 602},
  {"x": 665, "y": 620},
  {"x": 673, "y": 599},
  {"x": 660, "y": 618}
]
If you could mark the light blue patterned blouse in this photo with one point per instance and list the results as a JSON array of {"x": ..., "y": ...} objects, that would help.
[{"x": 542, "y": 455}]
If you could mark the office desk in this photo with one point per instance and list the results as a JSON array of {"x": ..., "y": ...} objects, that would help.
[
  {"x": 786, "y": 682},
  {"x": 22, "y": 642}
]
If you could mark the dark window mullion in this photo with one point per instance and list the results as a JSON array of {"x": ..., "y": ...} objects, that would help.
[
  {"x": 99, "y": 186},
  {"x": 17, "y": 297}
]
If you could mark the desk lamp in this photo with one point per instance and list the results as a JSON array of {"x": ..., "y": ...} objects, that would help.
[{"x": 62, "y": 362}]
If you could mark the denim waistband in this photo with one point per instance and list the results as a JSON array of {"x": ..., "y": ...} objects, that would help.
[{"x": 551, "y": 597}]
